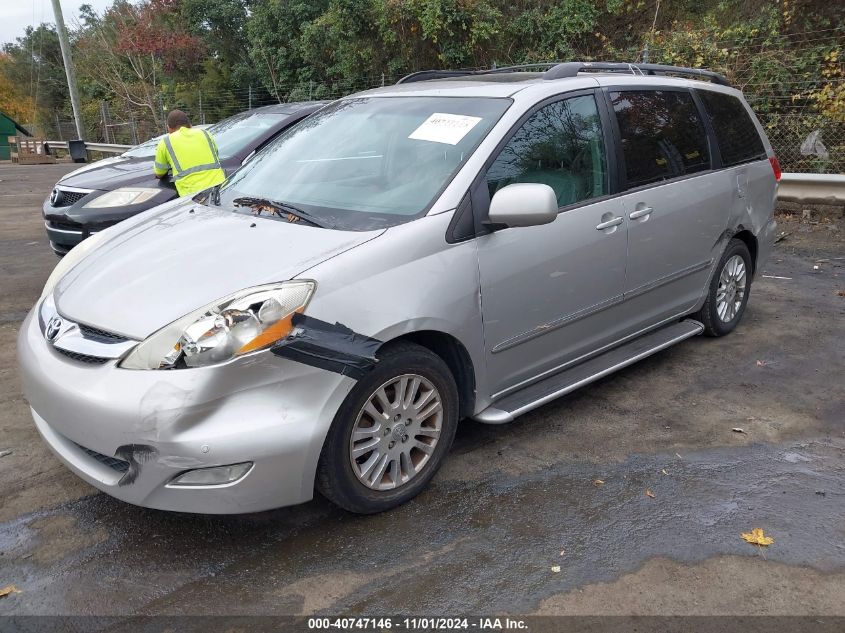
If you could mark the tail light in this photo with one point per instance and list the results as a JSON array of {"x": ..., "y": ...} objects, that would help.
[{"x": 775, "y": 167}]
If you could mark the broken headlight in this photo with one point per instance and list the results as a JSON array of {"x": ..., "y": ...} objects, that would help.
[{"x": 244, "y": 322}]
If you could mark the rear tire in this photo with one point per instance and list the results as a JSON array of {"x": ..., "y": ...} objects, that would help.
[
  {"x": 728, "y": 292},
  {"x": 391, "y": 433}
]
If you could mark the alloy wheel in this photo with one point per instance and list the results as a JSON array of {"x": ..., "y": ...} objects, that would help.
[
  {"x": 731, "y": 290},
  {"x": 396, "y": 432}
]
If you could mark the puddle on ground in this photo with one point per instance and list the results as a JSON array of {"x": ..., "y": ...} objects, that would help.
[{"x": 462, "y": 546}]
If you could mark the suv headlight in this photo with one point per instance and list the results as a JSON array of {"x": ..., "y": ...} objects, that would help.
[
  {"x": 122, "y": 197},
  {"x": 246, "y": 321}
]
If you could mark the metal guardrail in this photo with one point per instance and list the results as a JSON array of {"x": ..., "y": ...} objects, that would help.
[
  {"x": 812, "y": 188},
  {"x": 106, "y": 148}
]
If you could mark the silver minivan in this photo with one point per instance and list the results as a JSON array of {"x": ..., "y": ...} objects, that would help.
[{"x": 459, "y": 245}]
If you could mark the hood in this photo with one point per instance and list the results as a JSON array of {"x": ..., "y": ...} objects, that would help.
[
  {"x": 170, "y": 262},
  {"x": 121, "y": 171},
  {"x": 110, "y": 173}
]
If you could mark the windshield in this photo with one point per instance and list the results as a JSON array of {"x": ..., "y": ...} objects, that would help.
[
  {"x": 232, "y": 135},
  {"x": 365, "y": 163},
  {"x": 146, "y": 149}
]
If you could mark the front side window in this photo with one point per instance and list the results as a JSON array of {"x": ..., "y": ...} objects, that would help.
[
  {"x": 736, "y": 134},
  {"x": 560, "y": 145},
  {"x": 662, "y": 135},
  {"x": 368, "y": 162}
]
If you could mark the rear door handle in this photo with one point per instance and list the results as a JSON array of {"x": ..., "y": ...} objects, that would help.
[
  {"x": 610, "y": 223},
  {"x": 641, "y": 213}
]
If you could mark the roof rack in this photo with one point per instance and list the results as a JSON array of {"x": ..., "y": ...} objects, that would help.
[
  {"x": 571, "y": 69},
  {"x": 561, "y": 70}
]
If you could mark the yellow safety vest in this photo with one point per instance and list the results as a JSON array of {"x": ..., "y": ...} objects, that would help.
[{"x": 191, "y": 156}]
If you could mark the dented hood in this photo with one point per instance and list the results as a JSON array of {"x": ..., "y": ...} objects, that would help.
[{"x": 166, "y": 263}]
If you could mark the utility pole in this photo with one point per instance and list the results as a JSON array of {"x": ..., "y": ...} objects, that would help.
[{"x": 71, "y": 77}]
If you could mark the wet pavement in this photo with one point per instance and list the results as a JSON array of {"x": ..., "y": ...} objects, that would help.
[{"x": 511, "y": 502}]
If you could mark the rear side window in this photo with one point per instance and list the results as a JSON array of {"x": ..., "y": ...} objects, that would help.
[
  {"x": 736, "y": 134},
  {"x": 662, "y": 135}
]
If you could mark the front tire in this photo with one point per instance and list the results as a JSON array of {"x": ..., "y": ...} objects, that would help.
[
  {"x": 728, "y": 293},
  {"x": 391, "y": 433}
]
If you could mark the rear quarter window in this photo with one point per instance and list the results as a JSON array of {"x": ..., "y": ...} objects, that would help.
[
  {"x": 662, "y": 135},
  {"x": 736, "y": 133}
]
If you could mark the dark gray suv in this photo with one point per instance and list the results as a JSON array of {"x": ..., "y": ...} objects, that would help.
[{"x": 103, "y": 193}]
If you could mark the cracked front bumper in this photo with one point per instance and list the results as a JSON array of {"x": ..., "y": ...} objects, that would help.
[{"x": 262, "y": 409}]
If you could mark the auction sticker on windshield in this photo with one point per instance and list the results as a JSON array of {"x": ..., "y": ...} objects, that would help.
[{"x": 445, "y": 128}]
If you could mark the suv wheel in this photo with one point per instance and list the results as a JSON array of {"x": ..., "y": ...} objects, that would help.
[
  {"x": 728, "y": 292},
  {"x": 392, "y": 432}
]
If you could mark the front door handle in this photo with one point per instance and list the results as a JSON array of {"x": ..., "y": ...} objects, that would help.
[
  {"x": 610, "y": 223},
  {"x": 641, "y": 213}
]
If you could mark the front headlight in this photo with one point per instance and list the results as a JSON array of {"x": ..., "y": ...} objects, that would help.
[
  {"x": 122, "y": 197},
  {"x": 244, "y": 322}
]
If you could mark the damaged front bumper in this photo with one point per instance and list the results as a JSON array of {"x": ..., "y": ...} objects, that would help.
[{"x": 130, "y": 433}]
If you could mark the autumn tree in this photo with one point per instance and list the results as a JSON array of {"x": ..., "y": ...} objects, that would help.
[
  {"x": 133, "y": 51},
  {"x": 32, "y": 78}
]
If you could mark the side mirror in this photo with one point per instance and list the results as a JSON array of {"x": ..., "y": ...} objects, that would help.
[{"x": 523, "y": 204}]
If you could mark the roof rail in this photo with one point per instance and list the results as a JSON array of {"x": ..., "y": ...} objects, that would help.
[
  {"x": 426, "y": 75},
  {"x": 561, "y": 70},
  {"x": 571, "y": 69}
]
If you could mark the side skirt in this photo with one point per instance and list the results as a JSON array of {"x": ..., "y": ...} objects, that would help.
[{"x": 567, "y": 381}]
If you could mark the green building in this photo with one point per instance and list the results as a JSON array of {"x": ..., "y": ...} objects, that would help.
[{"x": 8, "y": 127}]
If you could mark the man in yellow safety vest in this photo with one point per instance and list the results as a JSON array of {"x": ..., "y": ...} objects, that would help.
[{"x": 189, "y": 154}]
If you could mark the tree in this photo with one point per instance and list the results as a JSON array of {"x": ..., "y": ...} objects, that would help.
[
  {"x": 13, "y": 101},
  {"x": 274, "y": 32},
  {"x": 33, "y": 73},
  {"x": 133, "y": 50}
]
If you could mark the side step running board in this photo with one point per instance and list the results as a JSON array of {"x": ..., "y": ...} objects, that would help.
[{"x": 539, "y": 393}]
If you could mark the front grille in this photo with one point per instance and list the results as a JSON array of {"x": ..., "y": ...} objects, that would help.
[
  {"x": 101, "y": 336},
  {"x": 82, "y": 358},
  {"x": 117, "y": 465},
  {"x": 69, "y": 198}
]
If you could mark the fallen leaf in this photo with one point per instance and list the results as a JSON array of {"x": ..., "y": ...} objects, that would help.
[
  {"x": 649, "y": 493},
  {"x": 5, "y": 591},
  {"x": 598, "y": 482},
  {"x": 736, "y": 429},
  {"x": 757, "y": 537},
  {"x": 556, "y": 569},
  {"x": 663, "y": 470},
  {"x": 841, "y": 293},
  {"x": 761, "y": 363}
]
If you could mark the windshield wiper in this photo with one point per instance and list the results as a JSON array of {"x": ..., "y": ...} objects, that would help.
[{"x": 281, "y": 209}]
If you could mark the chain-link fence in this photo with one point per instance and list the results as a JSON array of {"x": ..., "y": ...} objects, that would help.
[{"x": 807, "y": 143}]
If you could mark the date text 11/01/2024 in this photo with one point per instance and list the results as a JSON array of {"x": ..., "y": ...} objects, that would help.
[{"x": 418, "y": 624}]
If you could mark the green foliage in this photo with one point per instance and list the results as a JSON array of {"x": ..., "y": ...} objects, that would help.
[
  {"x": 213, "y": 56},
  {"x": 33, "y": 68}
]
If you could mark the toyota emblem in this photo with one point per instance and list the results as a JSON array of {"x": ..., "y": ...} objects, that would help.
[
  {"x": 53, "y": 327},
  {"x": 54, "y": 197}
]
